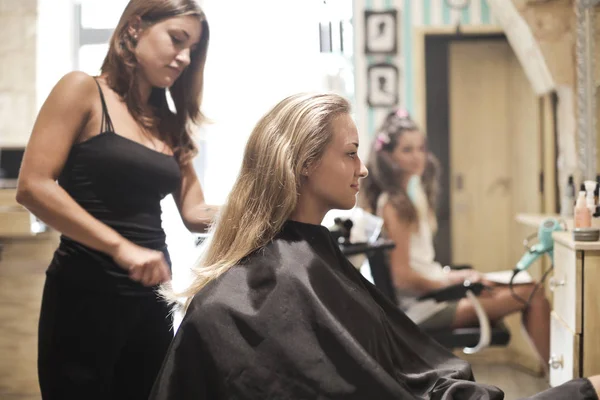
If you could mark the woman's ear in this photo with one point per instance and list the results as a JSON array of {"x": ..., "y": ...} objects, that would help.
[
  {"x": 305, "y": 169},
  {"x": 135, "y": 27}
]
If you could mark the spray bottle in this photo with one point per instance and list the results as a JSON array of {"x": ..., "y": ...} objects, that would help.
[
  {"x": 590, "y": 186},
  {"x": 583, "y": 217}
]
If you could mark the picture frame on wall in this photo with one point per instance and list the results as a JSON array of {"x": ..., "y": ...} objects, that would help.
[
  {"x": 381, "y": 32},
  {"x": 383, "y": 85}
]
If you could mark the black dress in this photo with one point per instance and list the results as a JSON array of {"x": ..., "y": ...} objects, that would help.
[
  {"x": 101, "y": 334},
  {"x": 296, "y": 321}
]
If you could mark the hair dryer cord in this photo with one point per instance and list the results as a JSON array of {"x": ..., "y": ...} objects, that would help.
[{"x": 535, "y": 289}]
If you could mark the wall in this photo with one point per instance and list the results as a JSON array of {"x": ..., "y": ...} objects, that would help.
[
  {"x": 411, "y": 14},
  {"x": 553, "y": 25},
  {"x": 17, "y": 70},
  {"x": 35, "y": 51}
]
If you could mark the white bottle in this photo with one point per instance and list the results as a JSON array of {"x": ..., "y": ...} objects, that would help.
[
  {"x": 590, "y": 186},
  {"x": 568, "y": 199}
]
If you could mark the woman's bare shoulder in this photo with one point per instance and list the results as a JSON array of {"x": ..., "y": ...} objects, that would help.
[{"x": 76, "y": 83}]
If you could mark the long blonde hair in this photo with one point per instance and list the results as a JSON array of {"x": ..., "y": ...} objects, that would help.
[{"x": 290, "y": 137}]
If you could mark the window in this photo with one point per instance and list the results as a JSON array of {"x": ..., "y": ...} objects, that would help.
[
  {"x": 95, "y": 21},
  {"x": 260, "y": 52},
  {"x": 101, "y": 14},
  {"x": 91, "y": 56}
]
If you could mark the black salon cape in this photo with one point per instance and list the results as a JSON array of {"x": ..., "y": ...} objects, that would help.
[{"x": 296, "y": 320}]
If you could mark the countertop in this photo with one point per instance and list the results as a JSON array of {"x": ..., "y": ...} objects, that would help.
[{"x": 566, "y": 237}]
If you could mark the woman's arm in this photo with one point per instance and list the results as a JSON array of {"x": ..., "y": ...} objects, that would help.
[
  {"x": 62, "y": 117},
  {"x": 195, "y": 213},
  {"x": 403, "y": 276},
  {"x": 65, "y": 114}
]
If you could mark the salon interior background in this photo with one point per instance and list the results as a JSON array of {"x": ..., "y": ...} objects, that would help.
[
  {"x": 260, "y": 52},
  {"x": 243, "y": 77},
  {"x": 253, "y": 62}
]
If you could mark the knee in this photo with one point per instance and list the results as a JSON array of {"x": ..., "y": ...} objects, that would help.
[
  {"x": 540, "y": 295},
  {"x": 539, "y": 299}
]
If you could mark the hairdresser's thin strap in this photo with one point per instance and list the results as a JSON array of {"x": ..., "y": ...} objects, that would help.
[{"x": 106, "y": 124}]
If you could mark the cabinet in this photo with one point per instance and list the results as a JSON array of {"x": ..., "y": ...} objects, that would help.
[{"x": 575, "y": 323}]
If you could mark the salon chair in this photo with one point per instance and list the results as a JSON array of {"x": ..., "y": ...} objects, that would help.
[{"x": 472, "y": 339}]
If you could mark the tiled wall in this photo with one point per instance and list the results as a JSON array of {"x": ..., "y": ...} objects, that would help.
[
  {"x": 17, "y": 70},
  {"x": 411, "y": 13}
]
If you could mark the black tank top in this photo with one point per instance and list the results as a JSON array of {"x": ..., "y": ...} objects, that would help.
[{"x": 121, "y": 183}]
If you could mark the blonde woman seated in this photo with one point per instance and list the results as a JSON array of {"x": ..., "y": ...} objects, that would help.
[
  {"x": 277, "y": 312},
  {"x": 402, "y": 189}
]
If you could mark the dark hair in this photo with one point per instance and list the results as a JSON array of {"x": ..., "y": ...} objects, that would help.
[
  {"x": 386, "y": 176},
  {"x": 120, "y": 67},
  {"x": 431, "y": 180}
]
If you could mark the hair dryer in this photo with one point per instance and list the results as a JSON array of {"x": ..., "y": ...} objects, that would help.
[{"x": 545, "y": 245}]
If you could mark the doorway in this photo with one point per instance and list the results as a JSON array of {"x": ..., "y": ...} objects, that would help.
[
  {"x": 483, "y": 123},
  {"x": 495, "y": 140}
]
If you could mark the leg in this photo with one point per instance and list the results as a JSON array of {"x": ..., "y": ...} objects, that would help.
[
  {"x": 78, "y": 343},
  {"x": 536, "y": 318},
  {"x": 142, "y": 356},
  {"x": 536, "y": 321}
]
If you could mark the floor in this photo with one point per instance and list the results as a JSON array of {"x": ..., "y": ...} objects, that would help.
[
  {"x": 21, "y": 282},
  {"x": 515, "y": 383}
]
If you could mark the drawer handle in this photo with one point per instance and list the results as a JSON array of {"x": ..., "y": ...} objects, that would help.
[
  {"x": 555, "y": 361},
  {"x": 554, "y": 283}
]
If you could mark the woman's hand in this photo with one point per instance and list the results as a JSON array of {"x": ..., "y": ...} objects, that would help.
[
  {"x": 454, "y": 277},
  {"x": 144, "y": 265}
]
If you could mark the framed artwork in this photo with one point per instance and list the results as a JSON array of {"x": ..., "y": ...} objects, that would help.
[
  {"x": 382, "y": 85},
  {"x": 381, "y": 32}
]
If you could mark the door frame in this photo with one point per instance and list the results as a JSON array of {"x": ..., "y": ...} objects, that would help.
[
  {"x": 547, "y": 106},
  {"x": 419, "y": 59}
]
